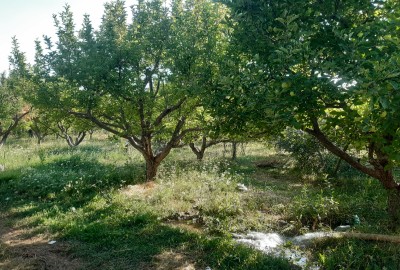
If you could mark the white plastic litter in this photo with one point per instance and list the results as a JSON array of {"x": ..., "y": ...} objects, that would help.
[{"x": 242, "y": 187}]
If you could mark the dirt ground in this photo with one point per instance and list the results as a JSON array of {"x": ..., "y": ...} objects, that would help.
[{"x": 21, "y": 250}]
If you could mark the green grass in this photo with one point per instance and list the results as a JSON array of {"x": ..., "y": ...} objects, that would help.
[
  {"x": 93, "y": 197},
  {"x": 358, "y": 254}
]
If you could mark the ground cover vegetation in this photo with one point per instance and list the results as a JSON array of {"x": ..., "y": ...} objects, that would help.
[
  {"x": 303, "y": 97},
  {"x": 94, "y": 201}
]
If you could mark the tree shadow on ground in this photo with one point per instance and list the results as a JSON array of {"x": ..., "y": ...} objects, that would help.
[
  {"x": 65, "y": 182},
  {"x": 127, "y": 244},
  {"x": 70, "y": 196}
]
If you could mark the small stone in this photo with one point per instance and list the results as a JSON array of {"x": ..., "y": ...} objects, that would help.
[
  {"x": 52, "y": 242},
  {"x": 73, "y": 209},
  {"x": 242, "y": 187},
  {"x": 208, "y": 268}
]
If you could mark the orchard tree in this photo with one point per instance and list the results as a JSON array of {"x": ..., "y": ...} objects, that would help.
[
  {"x": 207, "y": 137},
  {"x": 13, "y": 88},
  {"x": 10, "y": 115},
  {"x": 140, "y": 80},
  {"x": 331, "y": 68},
  {"x": 73, "y": 130},
  {"x": 238, "y": 100},
  {"x": 203, "y": 142},
  {"x": 39, "y": 126}
]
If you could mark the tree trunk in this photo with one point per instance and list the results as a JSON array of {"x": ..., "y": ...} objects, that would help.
[
  {"x": 200, "y": 155},
  {"x": 394, "y": 208},
  {"x": 204, "y": 145},
  {"x": 151, "y": 168},
  {"x": 339, "y": 162},
  {"x": 234, "y": 150},
  {"x": 91, "y": 134},
  {"x": 79, "y": 138},
  {"x": 39, "y": 136},
  {"x": 4, "y": 136},
  {"x": 198, "y": 152},
  {"x": 379, "y": 170},
  {"x": 4, "y": 139}
]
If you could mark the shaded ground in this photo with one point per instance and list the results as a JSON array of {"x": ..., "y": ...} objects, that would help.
[
  {"x": 24, "y": 249},
  {"x": 19, "y": 249}
]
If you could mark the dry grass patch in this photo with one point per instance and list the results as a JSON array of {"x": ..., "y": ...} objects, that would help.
[
  {"x": 169, "y": 260},
  {"x": 141, "y": 190}
]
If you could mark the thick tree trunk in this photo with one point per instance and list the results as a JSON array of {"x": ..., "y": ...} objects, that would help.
[
  {"x": 151, "y": 168},
  {"x": 41, "y": 138},
  {"x": 200, "y": 155}
]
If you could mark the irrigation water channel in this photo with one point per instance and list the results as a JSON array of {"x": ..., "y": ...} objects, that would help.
[
  {"x": 291, "y": 247},
  {"x": 280, "y": 246}
]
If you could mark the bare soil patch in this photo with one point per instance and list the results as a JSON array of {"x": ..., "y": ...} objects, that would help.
[
  {"x": 139, "y": 189},
  {"x": 171, "y": 260},
  {"x": 20, "y": 250}
]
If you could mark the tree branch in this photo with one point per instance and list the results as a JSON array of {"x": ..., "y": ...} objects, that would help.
[
  {"x": 107, "y": 126},
  {"x": 168, "y": 110},
  {"x": 320, "y": 136}
]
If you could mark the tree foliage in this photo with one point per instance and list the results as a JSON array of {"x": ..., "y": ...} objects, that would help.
[
  {"x": 331, "y": 69},
  {"x": 139, "y": 80},
  {"x": 13, "y": 89}
]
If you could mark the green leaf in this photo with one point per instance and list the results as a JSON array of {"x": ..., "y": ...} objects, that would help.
[{"x": 384, "y": 102}]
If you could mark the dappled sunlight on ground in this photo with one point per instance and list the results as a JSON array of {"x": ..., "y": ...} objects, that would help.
[{"x": 21, "y": 249}]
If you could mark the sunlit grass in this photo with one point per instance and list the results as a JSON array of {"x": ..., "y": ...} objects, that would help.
[{"x": 94, "y": 197}]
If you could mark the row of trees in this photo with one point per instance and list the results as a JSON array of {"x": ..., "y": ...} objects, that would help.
[
  {"x": 141, "y": 80},
  {"x": 200, "y": 69}
]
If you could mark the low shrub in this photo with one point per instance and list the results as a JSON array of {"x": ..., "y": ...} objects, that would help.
[{"x": 310, "y": 157}]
